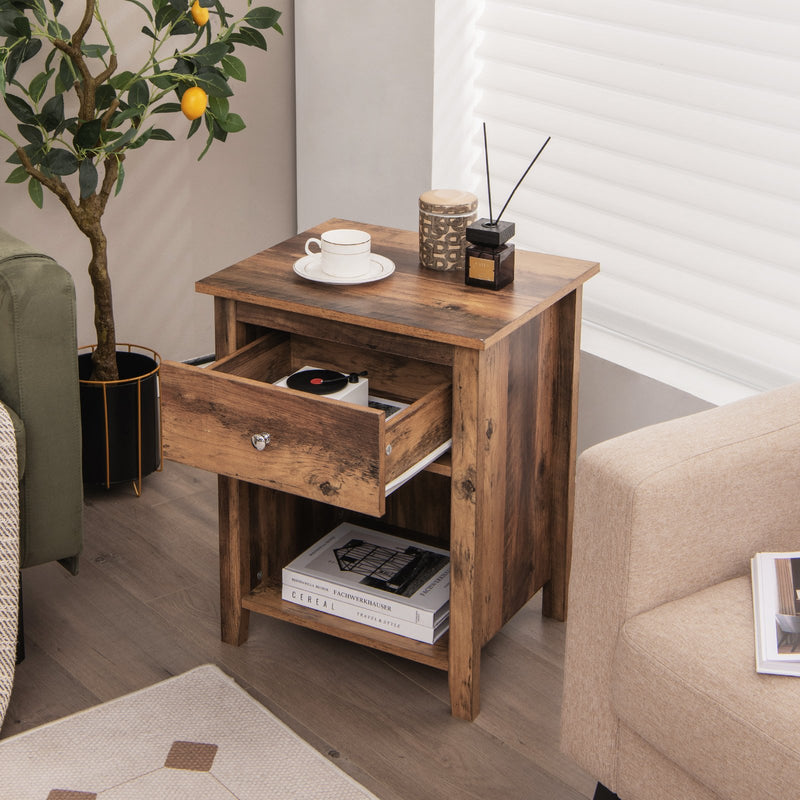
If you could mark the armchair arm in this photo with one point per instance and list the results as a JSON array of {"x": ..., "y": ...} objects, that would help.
[{"x": 659, "y": 514}]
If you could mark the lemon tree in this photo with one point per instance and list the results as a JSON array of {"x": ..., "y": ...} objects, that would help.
[{"x": 78, "y": 111}]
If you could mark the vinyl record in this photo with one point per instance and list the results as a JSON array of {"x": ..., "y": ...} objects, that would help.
[{"x": 317, "y": 381}]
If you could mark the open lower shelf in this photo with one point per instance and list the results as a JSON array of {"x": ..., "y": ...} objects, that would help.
[{"x": 266, "y": 599}]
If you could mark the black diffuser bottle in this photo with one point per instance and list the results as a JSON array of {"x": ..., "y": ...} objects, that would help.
[{"x": 489, "y": 257}]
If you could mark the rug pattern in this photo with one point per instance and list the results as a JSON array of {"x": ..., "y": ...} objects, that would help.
[{"x": 197, "y": 736}]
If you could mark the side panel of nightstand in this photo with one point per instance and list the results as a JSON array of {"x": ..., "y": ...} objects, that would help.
[{"x": 514, "y": 419}]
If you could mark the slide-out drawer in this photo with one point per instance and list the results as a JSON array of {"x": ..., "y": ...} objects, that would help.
[{"x": 316, "y": 447}]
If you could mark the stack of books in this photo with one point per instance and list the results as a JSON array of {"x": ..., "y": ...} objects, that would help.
[{"x": 376, "y": 579}]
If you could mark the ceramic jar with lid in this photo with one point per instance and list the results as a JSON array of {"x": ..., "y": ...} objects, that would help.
[{"x": 443, "y": 218}]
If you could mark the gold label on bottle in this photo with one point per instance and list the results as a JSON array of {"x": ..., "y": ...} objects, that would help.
[{"x": 481, "y": 269}]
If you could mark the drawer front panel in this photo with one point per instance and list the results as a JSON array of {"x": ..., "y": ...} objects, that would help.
[{"x": 321, "y": 449}]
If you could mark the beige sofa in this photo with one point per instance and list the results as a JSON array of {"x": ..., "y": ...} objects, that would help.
[{"x": 661, "y": 696}]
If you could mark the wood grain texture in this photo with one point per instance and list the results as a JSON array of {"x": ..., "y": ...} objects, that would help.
[
  {"x": 347, "y": 334},
  {"x": 319, "y": 448},
  {"x": 561, "y": 362},
  {"x": 423, "y": 304}
]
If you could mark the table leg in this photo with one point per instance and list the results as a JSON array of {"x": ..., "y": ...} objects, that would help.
[
  {"x": 559, "y": 367},
  {"x": 234, "y": 558},
  {"x": 477, "y": 502}
]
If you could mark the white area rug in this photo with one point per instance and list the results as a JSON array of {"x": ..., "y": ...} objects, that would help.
[{"x": 197, "y": 736}]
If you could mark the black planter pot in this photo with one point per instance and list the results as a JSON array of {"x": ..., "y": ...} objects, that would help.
[{"x": 121, "y": 420}]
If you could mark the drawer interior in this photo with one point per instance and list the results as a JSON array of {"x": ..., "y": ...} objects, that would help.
[{"x": 276, "y": 354}]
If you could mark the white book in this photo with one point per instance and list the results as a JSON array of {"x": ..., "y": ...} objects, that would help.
[
  {"x": 384, "y": 574},
  {"x": 776, "y": 612},
  {"x": 421, "y": 633}
]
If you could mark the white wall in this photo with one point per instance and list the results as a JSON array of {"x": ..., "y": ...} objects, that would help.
[
  {"x": 364, "y": 109},
  {"x": 177, "y": 220}
]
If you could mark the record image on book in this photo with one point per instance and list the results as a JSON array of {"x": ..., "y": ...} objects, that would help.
[{"x": 400, "y": 571}]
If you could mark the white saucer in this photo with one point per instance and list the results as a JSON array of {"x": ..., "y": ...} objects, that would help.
[{"x": 310, "y": 268}]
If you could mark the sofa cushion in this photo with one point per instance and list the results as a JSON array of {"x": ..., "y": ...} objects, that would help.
[{"x": 685, "y": 681}]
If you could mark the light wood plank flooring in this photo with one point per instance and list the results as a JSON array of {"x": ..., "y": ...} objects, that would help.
[{"x": 145, "y": 606}]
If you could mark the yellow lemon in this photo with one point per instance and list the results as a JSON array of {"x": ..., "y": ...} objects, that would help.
[
  {"x": 199, "y": 14},
  {"x": 194, "y": 102}
]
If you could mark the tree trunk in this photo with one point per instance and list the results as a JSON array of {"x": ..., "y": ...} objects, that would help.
[{"x": 104, "y": 358}]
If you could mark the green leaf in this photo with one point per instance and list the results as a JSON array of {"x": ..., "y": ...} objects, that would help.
[
  {"x": 234, "y": 68},
  {"x": 22, "y": 27},
  {"x": 32, "y": 133},
  {"x": 162, "y": 135},
  {"x": 122, "y": 79},
  {"x": 232, "y": 123},
  {"x": 18, "y": 175},
  {"x": 7, "y": 18},
  {"x": 104, "y": 96},
  {"x": 141, "y": 139},
  {"x": 38, "y": 85},
  {"x": 167, "y": 108},
  {"x": 139, "y": 94},
  {"x": 147, "y": 32},
  {"x": 262, "y": 17},
  {"x": 20, "y": 109},
  {"x": 249, "y": 37},
  {"x": 219, "y": 106},
  {"x": 212, "y": 54},
  {"x": 122, "y": 116},
  {"x": 125, "y": 139},
  {"x": 35, "y": 192},
  {"x": 87, "y": 177},
  {"x": 88, "y": 135},
  {"x": 214, "y": 83},
  {"x": 12, "y": 62},
  {"x": 58, "y": 31},
  {"x": 165, "y": 82},
  {"x": 60, "y": 162},
  {"x": 31, "y": 49},
  {"x": 193, "y": 128},
  {"x": 120, "y": 178},
  {"x": 65, "y": 78},
  {"x": 94, "y": 50},
  {"x": 52, "y": 113},
  {"x": 183, "y": 28}
]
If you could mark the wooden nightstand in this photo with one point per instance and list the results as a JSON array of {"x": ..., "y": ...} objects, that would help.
[{"x": 496, "y": 372}]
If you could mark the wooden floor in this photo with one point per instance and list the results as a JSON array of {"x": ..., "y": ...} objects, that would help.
[{"x": 145, "y": 607}]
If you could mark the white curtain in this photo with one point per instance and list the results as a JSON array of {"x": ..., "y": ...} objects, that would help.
[{"x": 674, "y": 161}]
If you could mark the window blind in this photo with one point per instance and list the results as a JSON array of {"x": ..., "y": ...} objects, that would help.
[{"x": 674, "y": 161}]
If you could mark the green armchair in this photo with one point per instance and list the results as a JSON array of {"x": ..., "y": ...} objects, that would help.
[{"x": 39, "y": 388}]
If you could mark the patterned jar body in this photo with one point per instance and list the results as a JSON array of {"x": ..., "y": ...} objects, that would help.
[{"x": 443, "y": 218}]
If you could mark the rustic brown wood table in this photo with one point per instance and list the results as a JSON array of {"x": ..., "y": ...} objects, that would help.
[{"x": 496, "y": 372}]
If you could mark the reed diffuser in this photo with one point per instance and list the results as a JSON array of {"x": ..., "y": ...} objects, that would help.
[{"x": 489, "y": 258}]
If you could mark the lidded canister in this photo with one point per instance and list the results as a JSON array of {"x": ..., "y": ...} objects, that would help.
[{"x": 443, "y": 218}]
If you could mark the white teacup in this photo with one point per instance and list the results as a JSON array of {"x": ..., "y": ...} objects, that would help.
[{"x": 345, "y": 252}]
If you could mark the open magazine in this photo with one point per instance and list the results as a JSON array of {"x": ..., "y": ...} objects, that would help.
[{"x": 776, "y": 611}]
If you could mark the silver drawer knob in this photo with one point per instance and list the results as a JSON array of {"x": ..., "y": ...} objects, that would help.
[{"x": 260, "y": 440}]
